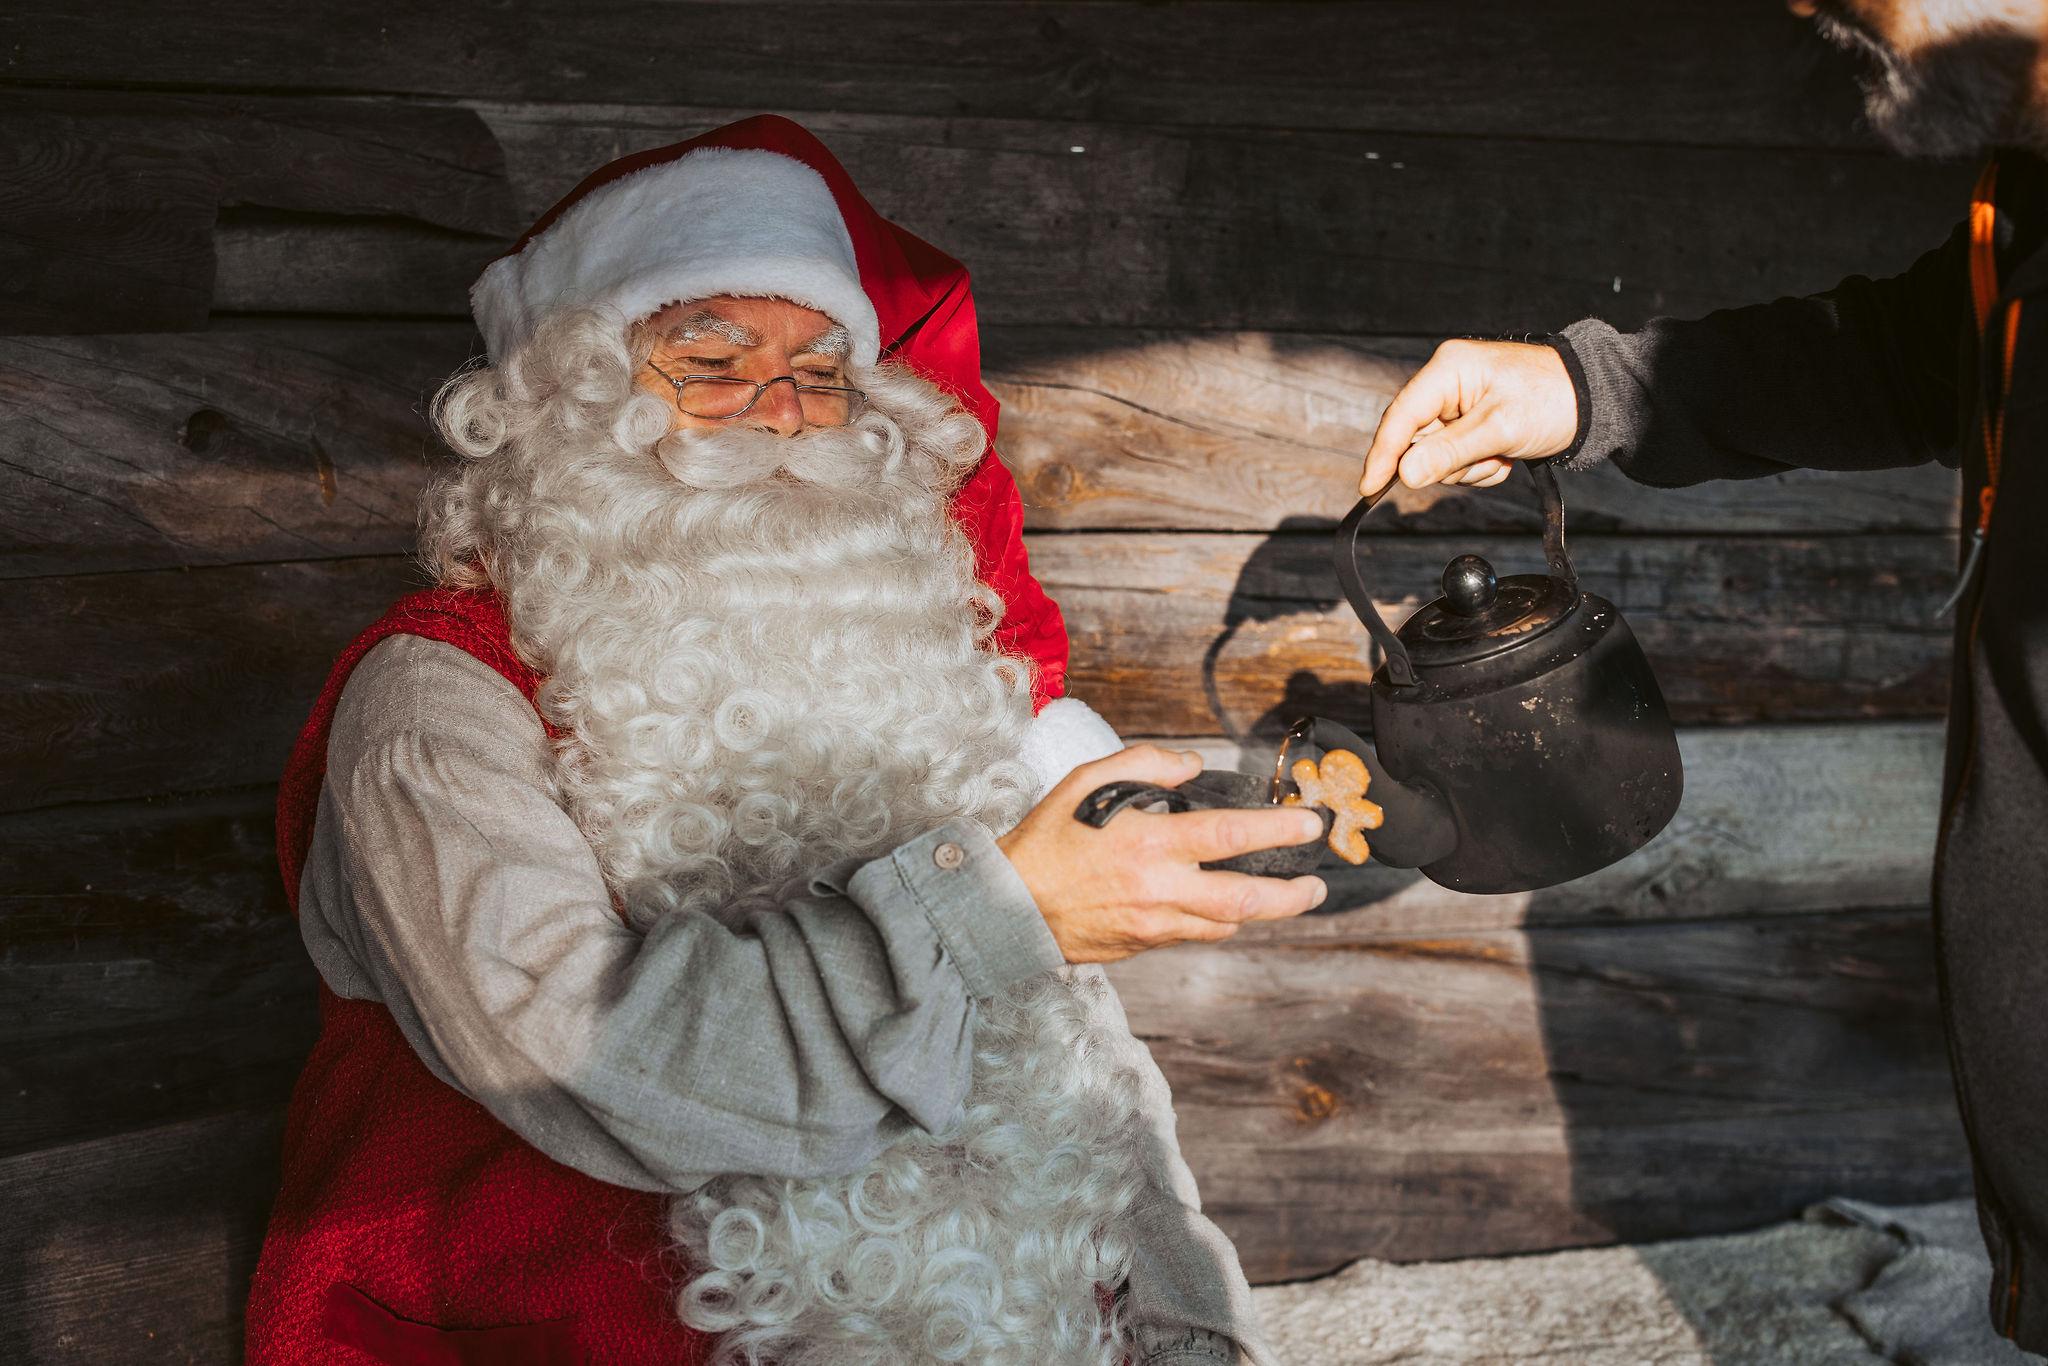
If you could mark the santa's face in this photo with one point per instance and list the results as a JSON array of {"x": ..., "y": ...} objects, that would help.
[{"x": 706, "y": 352}]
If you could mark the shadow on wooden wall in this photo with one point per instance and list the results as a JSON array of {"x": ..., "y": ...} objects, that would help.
[{"x": 1209, "y": 242}]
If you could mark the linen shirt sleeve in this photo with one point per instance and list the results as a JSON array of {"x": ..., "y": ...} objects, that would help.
[{"x": 446, "y": 881}]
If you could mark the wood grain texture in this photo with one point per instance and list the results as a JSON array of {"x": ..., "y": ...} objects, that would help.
[
  {"x": 111, "y": 198},
  {"x": 1567, "y": 1087},
  {"x": 280, "y": 440},
  {"x": 1235, "y": 229},
  {"x": 1242, "y": 431},
  {"x": 136, "y": 1247},
  {"x": 153, "y": 971},
  {"x": 1703, "y": 72},
  {"x": 128, "y": 685},
  {"x": 198, "y": 448},
  {"x": 1189, "y": 634},
  {"x": 1422, "y": 1097}
]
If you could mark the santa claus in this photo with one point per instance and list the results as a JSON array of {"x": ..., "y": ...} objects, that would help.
[{"x": 703, "y": 975}]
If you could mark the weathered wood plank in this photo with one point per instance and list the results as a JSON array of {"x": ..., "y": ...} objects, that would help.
[
  {"x": 1186, "y": 635},
  {"x": 136, "y": 1248},
  {"x": 1241, "y": 431},
  {"x": 196, "y": 448},
  {"x": 126, "y": 685},
  {"x": 1401, "y": 1098},
  {"x": 1776, "y": 820},
  {"x": 1703, "y": 72},
  {"x": 152, "y": 970},
  {"x": 309, "y": 440},
  {"x": 1415, "y": 1098},
  {"x": 110, "y": 198},
  {"x": 1239, "y": 229}
]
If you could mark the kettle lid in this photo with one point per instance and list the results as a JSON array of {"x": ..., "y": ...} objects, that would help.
[{"x": 1480, "y": 615}]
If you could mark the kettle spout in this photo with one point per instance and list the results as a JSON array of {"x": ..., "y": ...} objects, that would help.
[{"x": 1418, "y": 828}]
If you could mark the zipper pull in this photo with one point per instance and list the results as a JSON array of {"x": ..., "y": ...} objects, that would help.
[
  {"x": 1977, "y": 539},
  {"x": 1986, "y": 497}
]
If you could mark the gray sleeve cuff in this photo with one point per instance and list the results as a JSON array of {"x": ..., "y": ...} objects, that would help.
[
  {"x": 1183, "y": 1347},
  {"x": 1610, "y": 401},
  {"x": 978, "y": 906}
]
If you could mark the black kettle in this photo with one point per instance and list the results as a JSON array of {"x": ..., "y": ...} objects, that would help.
[{"x": 1521, "y": 739}]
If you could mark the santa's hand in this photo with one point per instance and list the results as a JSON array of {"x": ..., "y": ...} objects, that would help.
[
  {"x": 1136, "y": 883},
  {"x": 1473, "y": 408}
]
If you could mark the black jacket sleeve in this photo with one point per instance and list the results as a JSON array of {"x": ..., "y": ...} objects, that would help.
[{"x": 1862, "y": 377}]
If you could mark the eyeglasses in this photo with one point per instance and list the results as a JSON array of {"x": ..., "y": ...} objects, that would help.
[{"x": 719, "y": 397}]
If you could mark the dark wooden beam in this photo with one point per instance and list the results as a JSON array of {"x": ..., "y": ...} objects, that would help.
[
  {"x": 1567, "y": 1087},
  {"x": 309, "y": 440},
  {"x": 1241, "y": 431},
  {"x": 1424, "y": 1097},
  {"x": 112, "y": 197},
  {"x": 1188, "y": 634},
  {"x": 127, "y": 685},
  {"x": 1703, "y": 71},
  {"x": 216, "y": 447},
  {"x": 137, "y": 1247},
  {"x": 1235, "y": 229},
  {"x": 154, "y": 973}
]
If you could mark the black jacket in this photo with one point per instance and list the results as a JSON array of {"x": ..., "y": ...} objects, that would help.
[{"x": 1876, "y": 374}]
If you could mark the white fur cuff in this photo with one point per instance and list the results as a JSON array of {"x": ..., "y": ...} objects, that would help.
[{"x": 1065, "y": 735}]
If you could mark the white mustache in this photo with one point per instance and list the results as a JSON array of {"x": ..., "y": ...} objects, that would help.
[{"x": 855, "y": 456}]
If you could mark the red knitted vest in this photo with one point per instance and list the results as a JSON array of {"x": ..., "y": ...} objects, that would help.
[{"x": 411, "y": 1226}]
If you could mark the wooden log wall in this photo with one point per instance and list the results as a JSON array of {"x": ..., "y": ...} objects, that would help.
[{"x": 1209, "y": 242}]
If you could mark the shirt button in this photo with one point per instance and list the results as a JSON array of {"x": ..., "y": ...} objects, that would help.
[{"x": 949, "y": 856}]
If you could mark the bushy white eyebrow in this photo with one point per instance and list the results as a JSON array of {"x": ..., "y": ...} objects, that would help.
[
  {"x": 834, "y": 341},
  {"x": 704, "y": 323}
]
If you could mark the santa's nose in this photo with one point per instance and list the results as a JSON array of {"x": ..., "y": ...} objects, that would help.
[
  {"x": 1805, "y": 9},
  {"x": 779, "y": 410}
]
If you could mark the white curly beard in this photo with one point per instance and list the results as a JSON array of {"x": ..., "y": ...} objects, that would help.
[{"x": 768, "y": 653}]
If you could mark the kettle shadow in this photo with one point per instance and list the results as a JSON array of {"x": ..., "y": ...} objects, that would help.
[
  {"x": 1698, "y": 1065},
  {"x": 1272, "y": 585}
]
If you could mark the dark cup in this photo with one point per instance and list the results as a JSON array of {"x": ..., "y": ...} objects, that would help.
[{"x": 1206, "y": 791}]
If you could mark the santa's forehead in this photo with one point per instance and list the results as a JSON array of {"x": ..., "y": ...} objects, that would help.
[{"x": 748, "y": 322}]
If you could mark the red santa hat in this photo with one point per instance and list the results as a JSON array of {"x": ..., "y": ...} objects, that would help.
[{"x": 760, "y": 208}]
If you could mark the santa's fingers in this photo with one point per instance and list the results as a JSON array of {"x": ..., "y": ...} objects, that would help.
[
  {"x": 1233, "y": 898},
  {"x": 1225, "y": 832}
]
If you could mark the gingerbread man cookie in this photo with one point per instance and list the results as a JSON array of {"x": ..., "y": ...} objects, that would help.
[{"x": 1338, "y": 784}]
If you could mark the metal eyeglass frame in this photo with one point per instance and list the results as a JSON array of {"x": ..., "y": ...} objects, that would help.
[{"x": 853, "y": 396}]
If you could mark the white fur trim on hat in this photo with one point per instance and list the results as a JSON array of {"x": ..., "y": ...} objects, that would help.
[
  {"x": 1065, "y": 734},
  {"x": 718, "y": 220}
]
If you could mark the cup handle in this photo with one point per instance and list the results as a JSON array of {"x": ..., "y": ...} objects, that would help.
[{"x": 1104, "y": 802}]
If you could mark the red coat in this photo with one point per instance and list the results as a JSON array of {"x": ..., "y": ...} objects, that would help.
[{"x": 412, "y": 1226}]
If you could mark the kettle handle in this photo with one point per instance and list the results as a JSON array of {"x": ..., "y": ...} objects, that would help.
[{"x": 1400, "y": 669}]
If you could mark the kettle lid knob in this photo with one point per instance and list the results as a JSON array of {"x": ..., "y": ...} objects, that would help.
[{"x": 1469, "y": 585}]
